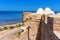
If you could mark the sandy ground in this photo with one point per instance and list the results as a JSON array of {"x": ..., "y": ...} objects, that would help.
[
  {"x": 7, "y": 25},
  {"x": 5, "y": 34},
  {"x": 8, "y": 33}
]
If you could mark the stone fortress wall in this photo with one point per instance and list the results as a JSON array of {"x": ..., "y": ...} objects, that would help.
[{"x": 42, "y": 24}]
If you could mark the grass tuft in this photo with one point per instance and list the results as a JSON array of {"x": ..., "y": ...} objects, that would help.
[
  {"x": 18, "y": 34},
  {"x": 1, "y": 29},
  {"x": 11, "y": 27},
  {"x": 5, "y": 28},
  {"x": 19, "y": 25}
]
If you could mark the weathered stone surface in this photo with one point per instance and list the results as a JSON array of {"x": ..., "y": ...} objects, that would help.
[
  {"x": 26, "y": 15},
  {"x": 35, "y": 17},
  {"x": 45, "y": 25}
]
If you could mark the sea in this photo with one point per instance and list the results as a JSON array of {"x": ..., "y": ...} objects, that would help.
[{"x": 8, "y": 17}]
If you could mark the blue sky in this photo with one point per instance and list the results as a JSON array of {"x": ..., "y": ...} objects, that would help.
[{"x": 28, "y": 5}]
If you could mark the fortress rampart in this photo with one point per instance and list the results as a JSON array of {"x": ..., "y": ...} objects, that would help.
[{"x": 42, "y": 26}]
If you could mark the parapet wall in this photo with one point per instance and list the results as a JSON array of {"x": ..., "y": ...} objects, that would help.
[{"x": 33, "y": 21}]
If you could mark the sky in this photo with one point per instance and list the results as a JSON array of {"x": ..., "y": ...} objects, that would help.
[{"x": 28, "y": 5}]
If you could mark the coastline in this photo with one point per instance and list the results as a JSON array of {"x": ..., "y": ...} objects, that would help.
[{"x": 10, "y": 24}]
